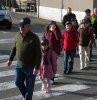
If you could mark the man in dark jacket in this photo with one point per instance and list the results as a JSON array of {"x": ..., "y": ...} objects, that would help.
[
  {"x": 28, "y": 53},
  {"x": 68, "y": 16}
]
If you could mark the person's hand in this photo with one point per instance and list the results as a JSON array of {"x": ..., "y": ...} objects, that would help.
[
  {"x": 35, "y": 71},
  {"x": 9, "y": 63},
  {"x": 94, "y": 36}
]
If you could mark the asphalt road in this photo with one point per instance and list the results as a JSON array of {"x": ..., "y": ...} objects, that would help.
[{"x": 79, "y": 85}]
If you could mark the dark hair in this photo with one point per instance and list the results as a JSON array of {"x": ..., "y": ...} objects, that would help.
[{"x": 48, "y": 26}]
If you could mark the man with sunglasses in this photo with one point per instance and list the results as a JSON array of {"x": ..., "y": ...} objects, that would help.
[{"x": 27, "y": 50}]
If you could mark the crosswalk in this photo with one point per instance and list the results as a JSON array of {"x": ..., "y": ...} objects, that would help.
[{"x": 38, "y": 95}]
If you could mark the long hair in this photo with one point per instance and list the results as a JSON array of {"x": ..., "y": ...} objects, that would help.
[{"x": 46, "y": 29}]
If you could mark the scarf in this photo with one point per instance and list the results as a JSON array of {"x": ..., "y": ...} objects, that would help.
[{"x": 45, "y": 60}]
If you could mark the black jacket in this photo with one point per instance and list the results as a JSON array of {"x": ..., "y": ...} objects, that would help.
[
  {"x": 68, "y": 17},
  {"x": 95, "y": 27}
]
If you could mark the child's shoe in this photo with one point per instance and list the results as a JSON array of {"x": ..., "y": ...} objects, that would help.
[
  {"x": 47, "y": 90},
  {"x": 51, "y": 82},
  {"x": 43, "y": 87}
]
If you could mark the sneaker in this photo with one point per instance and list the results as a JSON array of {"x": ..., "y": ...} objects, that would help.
[
  {"x": 51, "y": 82},
  {"x": 47, "y": 90},
  {"x": 43, "y": 87},
  {"x": 81, "y": 68},
  {"x": 69, "y": 71},
  {"x": 64, "y": 72}
]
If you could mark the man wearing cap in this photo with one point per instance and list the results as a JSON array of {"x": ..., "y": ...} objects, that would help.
[
  {"x": 88, "y": 15},
  {"x": 28, "y": 53},
  {"x": 85, "y": 43}
]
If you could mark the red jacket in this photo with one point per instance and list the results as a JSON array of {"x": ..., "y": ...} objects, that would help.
[
  {"x": 54, "y": 40},
  {"x": 70, "y": 39}
]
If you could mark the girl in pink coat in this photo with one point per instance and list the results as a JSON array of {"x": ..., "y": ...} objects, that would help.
[{"x": 48, "y": 66}]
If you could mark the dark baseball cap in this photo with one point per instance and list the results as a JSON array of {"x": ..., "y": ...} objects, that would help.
[
  {"x": 73, "y": 19},
  {"x": 44, "y": 41},
  {"x": 88, "y": 10},
  {"x": 24, "y": 21},
  {"x": 68, "y": 22},
  {"x": 52, "y": 23},
  {"x": 84, "y": 21}
]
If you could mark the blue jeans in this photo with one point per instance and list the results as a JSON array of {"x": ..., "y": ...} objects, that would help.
[
  {"x": 68, "y": 54},
  {"x": 25, "y": 74}
]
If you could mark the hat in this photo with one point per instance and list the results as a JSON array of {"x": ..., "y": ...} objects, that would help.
[
  {"x": 24, "y": 21},
  {"x": 52, "y": 23},
  {"x": 73, "y": 19},
  {"x": 88, "y": 19},
  {"x": 83, "y": 21},
  {"x": 88, "y": 10},
  {"x": 44, "y": 41},
  {"x": 68, "y": 22}
]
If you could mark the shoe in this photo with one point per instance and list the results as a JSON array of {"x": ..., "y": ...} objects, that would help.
[
  {"x": 51, "y": 82},
  {"x": 69, "y": 71},
  {"x": 43, "y": 87},
  {"x": 64, "y": 72},
  {"x": 47, "y": 90},
  {"x": 81, "y": 68}
]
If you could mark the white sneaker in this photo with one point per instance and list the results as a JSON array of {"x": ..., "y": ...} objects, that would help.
[
  {"x": 51, "y": 82},
  {"x": 43, "y": 87},
  {"x": 81, "y": 68}
]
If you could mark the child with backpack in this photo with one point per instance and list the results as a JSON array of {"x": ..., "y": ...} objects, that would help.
[
  {"x": 69, "y": 42},
  {"x": 85, "y": 43},
  {"x": 53, "y": 34},
  {"x": 48, "y": 66}
]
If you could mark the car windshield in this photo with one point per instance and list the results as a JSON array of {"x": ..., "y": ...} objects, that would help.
[{"x": 2, "y": 7}]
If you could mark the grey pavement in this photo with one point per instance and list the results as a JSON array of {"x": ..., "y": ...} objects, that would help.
[{"x": 79, "y": 85}]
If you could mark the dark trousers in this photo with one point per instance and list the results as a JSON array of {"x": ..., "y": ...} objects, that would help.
[
  {"x": 68, "y": 55},
  {"x": 25, "y": 74}
]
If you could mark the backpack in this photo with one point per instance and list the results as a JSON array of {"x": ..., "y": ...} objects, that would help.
[{"x": 89, "y": 30}]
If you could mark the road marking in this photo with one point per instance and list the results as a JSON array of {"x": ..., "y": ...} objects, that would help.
[
  {"x": 92, "y": 98},
  {"x": 10, "y": 85},
  {"x": 11, "y": 40},
  {"x": 54, "y": 92},
  {"x": 5, "y": 64},
  {"x": 4, "y": 57},
  {"x": 7, "y": 73},
  {"x": 60, "y": 90},
  {"x": 5, "y": 32}
]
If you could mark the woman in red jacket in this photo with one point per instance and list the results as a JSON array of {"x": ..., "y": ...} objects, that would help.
[
  {"x": 53, "y": 34},
  {"x": 69, "y": 42}
]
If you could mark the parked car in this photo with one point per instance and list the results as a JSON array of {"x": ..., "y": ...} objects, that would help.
[{"x": 5, "y": 17}]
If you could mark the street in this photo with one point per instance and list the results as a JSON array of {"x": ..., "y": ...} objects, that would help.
[{"x": 79, "y": 85}]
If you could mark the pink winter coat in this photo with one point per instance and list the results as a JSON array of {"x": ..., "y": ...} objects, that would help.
[{"x": 48, "y": 71}]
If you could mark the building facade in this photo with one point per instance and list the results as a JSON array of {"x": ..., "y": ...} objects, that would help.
[{"x": 56, "y": 9}]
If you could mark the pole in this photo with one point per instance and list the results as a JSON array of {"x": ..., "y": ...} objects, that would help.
[{"x": 6, "y": 3}]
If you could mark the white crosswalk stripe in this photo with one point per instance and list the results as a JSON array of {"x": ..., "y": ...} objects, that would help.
[{"x": 56, "y": 91}]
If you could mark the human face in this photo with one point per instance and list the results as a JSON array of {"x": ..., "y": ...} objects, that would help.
[
  {"x": 44, "y": 46},
  {"x": 87, "y": 14},
  {"x": 52, "y": 27},
  {"x": 73, "y": 22},
  {"x": 24, "y": 28},
  {"x": 95, "y": 11},
  {"x": 68, "y": 11},
  {"x": 84, "y": 25},
  {"x": 68, "y": 27}
]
